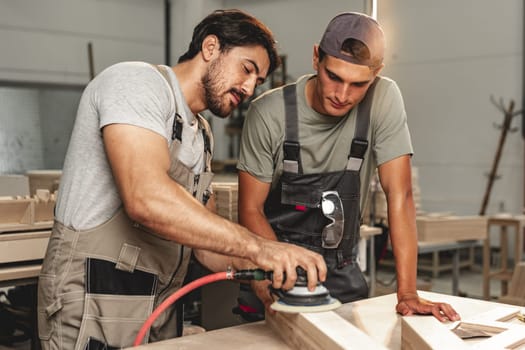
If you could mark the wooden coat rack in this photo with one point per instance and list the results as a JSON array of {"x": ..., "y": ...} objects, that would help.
[{"x": 505, "y": 128}]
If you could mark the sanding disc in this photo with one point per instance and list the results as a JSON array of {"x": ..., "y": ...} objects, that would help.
[{"x": 332, "y": 304}]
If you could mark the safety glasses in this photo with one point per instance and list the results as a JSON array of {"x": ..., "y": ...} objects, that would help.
[{"x": 332, "y": 208}]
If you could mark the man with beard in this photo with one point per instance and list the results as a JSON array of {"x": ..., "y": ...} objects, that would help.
[
  {"x": 136, "y": 179},
  {"x": 307, "y": 154}
]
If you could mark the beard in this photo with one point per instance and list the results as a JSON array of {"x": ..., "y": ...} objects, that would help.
[{"x": 213, "y": 85}]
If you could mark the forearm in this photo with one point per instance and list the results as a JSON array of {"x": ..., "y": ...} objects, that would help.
[
  {"x": 403, "y": 235},
  {"x": 217, "y": 262},
  {"x": 252, "y": 196},
  {"x": 255, "y": 221},
  {"x": 170, "y": 211}
]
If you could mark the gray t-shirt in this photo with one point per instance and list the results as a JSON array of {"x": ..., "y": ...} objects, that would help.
[
  {"x": 132, "y": 93},
  {"x": 325, "y": 141}
]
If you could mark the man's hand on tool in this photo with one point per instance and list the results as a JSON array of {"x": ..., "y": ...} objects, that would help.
[
  {"x": 283, "y": 258},
  {"x": 412, "y": 304}
]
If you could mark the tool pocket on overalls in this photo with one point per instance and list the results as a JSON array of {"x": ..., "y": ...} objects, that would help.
[
  {"x": 46, "y": 295},
  {"x": 48, "y": 302},
  {"x": 300, "y": 219},
  {"x": 117, "y": 303}
]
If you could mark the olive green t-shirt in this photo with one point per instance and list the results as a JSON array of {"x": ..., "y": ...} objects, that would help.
[{"x": 325, "y": 140}]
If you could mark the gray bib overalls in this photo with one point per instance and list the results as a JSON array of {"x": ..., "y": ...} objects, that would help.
[
  {"x": 98, "y": 286},
  {"x": 294, "y": 206}
]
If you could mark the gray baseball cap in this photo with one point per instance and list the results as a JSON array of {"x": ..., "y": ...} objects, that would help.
[{"x": 353, "y": 25}]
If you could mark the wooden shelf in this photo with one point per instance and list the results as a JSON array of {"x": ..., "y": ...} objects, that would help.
[
  {"x": 12, "y": 273},
  {"x": 8, "y": 228}
]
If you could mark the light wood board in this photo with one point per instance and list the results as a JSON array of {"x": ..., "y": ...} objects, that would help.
[
  {"x": 319, "y": 331},
  {"x": 450, "y": 228},
  {"x": 419, "y": 333}
]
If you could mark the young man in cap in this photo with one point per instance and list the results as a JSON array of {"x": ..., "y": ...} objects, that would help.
[
  {"x": 308, "y": 152},
  {"x": 136, "y": 176}
]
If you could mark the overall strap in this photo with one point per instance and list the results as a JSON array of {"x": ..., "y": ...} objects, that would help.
[
  {"x": 177, "y": 121},
  {"x": 291, "y": 146},
  {"x": 360, "y": 140},
  {"x": 207, "y": 136}
]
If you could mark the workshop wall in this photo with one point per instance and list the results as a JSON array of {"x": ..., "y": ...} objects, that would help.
[
  {"x": 449, "y": 57},
  {"x": 45, "y": 58},
  {"x": 298, "y": 25},
  {"x": 20, "y": 137},
  {"x": 58, "y": 108},
  {"x": 46, "y": 40},
  {"x": 36, "y": 124}
]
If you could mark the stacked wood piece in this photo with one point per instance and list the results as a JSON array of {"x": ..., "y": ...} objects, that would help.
[
  {"x": 226, "y": 195},
  {"x": 437, "y": 229},
  {"x": 25, "y": 227},
  {"x": 320, "y": 331},
  {"x": 26, "y": 211}
]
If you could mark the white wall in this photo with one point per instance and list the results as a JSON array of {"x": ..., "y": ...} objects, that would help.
[
  {"x": 449, "y": 57},
  {"x": 20, "y": 137},
  {"x": 297, "y": 25},
  {"x": 46, "y": 40},
  {"x": 58, "y": 108},
  {"x": 35, "y": 126}
]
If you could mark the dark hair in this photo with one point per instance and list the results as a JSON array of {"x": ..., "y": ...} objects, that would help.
[
  {"x": 233, "y": 28},
  {"x": 353, "y": 47}
]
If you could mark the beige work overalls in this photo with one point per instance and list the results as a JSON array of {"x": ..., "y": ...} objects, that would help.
[{"x": 97, "y": 287}]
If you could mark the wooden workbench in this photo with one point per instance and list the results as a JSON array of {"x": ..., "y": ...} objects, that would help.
[{"x": 374, "y": 316}]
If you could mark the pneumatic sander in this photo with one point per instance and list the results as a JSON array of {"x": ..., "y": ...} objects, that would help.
[{"x": 299, "y": 298}]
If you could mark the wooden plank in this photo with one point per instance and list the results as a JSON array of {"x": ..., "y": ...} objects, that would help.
[
  {"x": 44, "y": 206},
  {"x": 226, "y": 196},
  {"x": 319, "y": 331},
  {"x": 10, "y": 228},
  {"x": 16, "y": 211},
  {"x": 23, "y": 246},
  {"x": 27, "y": 212},
  {"x": 14, "y": 185},
  {"x": 427, "y": 333},
  {"x": 451, "y": 228},
  {"x": 19, "y": 272},
  {"x": 43, "y": 179},
  {"x": 244, "y": 337}
]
